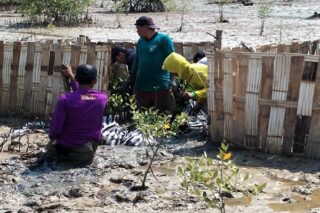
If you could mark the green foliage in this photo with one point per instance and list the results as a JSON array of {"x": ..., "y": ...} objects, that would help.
[
  {"x": 264, "y": 11},
  {"x": 212, "y": 180},
  {"x": 264, "y": 8},
  {"x": 117, "y": 103},
  {"x": 139, "y": 5},
  {"x": 54, "y": 10},
  {"x": 221, "y": 4},
  {"x": 155, "y": 124},
  {"x": 8, "y": 2}
]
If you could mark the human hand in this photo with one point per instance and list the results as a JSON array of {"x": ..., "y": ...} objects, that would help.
[
  {"x": 67, "y": 71},
  {"x": 186, "y": 95}
]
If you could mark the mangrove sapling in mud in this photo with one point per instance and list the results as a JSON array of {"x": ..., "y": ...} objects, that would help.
[
  {"x": 214, "y": 180},
  {"x": 182, "y": 7},
  {"x": 156, "y": 128},
  {"x": 221, "y": 4},
  {"x": 264, "y": 11}
]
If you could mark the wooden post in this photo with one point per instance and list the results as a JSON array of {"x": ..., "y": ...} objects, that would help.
[{"x": 218, "y": 41}]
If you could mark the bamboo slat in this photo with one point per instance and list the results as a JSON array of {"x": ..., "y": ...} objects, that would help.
[
  {"x": 41, "y": 101},
  {"x": 28, "y": 78},
  {"x": 297, "y": 67},
  {"x": 36, "y": 77},
  {"x": 188, "y": 51},
  {"x": 91, "y": 54},
  {"x": 49, "y": 89},
  {"x": 105, "y": 79},
  {"x": 218, "y": 123},
  {"x": 6, "y": 72},
  {"x": 1, "y": 71},
  {"x": 279, "y": 92},
  {"x": 228, "y": 67},
  {"x": 305, "y": 98},
  {"x": 252, "y": 102},
  {"x": 75, "y": 56},
  {"x": 266, "y": 94},
  {"x": 21, "y": 74},
  {"x": 83, "y": 54},
  {"x": 56, "y": 82},
  {"x": 14, "y": 76},
  {"x": 210, "y": 95},
  {"x": 99, "y": 64},
  {"x": 313, "y": 142},
  {"x": 241, "y": 76},
  {"x": 179, "y": 47},
  {"x": 294, "y": 47}
]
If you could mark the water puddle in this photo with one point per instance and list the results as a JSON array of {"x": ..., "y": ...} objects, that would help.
[{"x": 300, "y": 204}]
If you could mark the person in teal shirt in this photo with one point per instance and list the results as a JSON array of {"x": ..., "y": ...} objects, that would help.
[{"x": 152, "y": 84}]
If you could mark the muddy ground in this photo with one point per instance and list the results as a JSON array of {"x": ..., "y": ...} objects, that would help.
[
  {"x": 105, "y": 186},
  {"x": 292, "y": 183}
]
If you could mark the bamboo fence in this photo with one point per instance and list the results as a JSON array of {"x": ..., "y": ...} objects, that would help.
[
  {"x": 267, "y": 100},
  {"x": 30, "y": 78}
]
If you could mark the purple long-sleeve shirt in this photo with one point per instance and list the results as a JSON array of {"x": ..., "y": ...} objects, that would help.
[{"x": 78, "y": 116}]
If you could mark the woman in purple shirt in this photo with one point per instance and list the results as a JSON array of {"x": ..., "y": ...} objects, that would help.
[{"x": 77, "y": 120}]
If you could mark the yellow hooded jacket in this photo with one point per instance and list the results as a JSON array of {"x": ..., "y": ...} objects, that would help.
[{"x": 196, "y": 75}]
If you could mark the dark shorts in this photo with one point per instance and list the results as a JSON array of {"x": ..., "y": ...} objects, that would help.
[
  {"x": 73, "y": 156},
  {"x": 162, "y": 100}
]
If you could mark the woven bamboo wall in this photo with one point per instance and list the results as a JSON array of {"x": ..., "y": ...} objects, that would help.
[
  {"x": 267, "y": 101},
  {"x": 30, "y": 78}
]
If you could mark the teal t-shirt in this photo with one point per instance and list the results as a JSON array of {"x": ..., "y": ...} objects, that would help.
[{"x": 147, "y": 66}]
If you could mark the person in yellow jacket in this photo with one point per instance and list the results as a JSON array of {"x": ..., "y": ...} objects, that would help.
[{"x": 195, "y": 75}]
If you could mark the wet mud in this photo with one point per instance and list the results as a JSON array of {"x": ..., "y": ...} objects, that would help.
[{"x": 111, "y": 183}]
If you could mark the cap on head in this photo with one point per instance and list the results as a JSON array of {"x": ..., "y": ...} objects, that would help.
[
  {"x": 146, "y": 21},
  {"x": 86, "y": 73},
  {"x": 115, "y": 52}
]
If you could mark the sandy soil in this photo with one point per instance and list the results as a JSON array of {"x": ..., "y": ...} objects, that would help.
[{"x": 287, "y": 23}]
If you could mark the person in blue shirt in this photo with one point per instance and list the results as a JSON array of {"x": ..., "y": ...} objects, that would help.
[{"x": 152, "y": 85}]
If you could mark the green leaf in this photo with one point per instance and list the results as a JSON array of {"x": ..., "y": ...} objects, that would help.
[
  {"x": 215, "y": 174},
  {"x": 219, "y": 181},
  {"x": 246, "y": 177},
  {"x": 180, "y": 171},
  {"x": 185, "y": 184},
  {"x": 224, "y": 147}
]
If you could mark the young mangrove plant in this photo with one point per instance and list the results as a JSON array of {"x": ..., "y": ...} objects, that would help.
[
  {"x": 264, "y": 11},
  {"x": 214, "y": 180},
  {"x": 156, "y": 128}
]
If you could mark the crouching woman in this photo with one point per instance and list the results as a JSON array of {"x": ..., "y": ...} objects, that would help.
[{"x": 195, "y": 76}]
